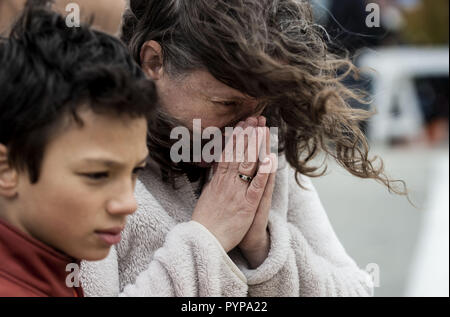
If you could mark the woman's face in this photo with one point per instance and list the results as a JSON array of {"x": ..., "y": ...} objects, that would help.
[
  {"x": 196, "y": 95},
  {"x": 200, "y": 96}
]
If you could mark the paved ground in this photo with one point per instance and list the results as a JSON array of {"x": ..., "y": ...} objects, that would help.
[{"x": 377, "y": 227}]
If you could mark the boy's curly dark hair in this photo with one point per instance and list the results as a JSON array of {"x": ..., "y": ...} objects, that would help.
[{"x": 49, "y": 71}]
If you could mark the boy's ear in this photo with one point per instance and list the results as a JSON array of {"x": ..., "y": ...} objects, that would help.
[
  {"x": 8, "y": 175},
  {"x": 152, "y": 59}
]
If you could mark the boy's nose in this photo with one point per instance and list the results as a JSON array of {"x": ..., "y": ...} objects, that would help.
[{"x": 123, "y": 203}]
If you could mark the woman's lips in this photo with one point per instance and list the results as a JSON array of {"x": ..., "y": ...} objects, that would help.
[{"x": 111, "y": 236}]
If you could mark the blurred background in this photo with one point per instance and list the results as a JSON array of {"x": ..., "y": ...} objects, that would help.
[
  {"x": 402, "y": 48},
  {"x": 403, "y": 51}
]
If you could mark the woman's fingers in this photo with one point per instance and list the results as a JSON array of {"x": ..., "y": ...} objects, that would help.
[
  {"x": 255, "y": 237},
  {"x": 268, "y": 149},
  {"x": 250, "y": 164},
  {"x": 228, "y": 209},
  {"x": 262, "y": 121},
  {"x": 241, "y": 149},
  {"x": 258, "y": 184},
  {"x": 228, "y": 153},
  {"x": 262, "y": 214},
  {"x": 252, "y": 121}
]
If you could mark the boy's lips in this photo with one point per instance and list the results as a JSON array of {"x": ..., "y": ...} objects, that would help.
[{"x": 110, "y": 236}]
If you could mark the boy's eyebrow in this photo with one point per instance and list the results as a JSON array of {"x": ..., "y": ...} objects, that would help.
[
  {"x": 111, "y": 163},
  {"x": 144, "y": 160}
]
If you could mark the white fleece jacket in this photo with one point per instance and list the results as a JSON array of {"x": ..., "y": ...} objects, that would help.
[{"x": 164, "y": 253}]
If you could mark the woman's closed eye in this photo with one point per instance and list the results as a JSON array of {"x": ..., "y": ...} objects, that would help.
[{"x": 228, "y": 103}]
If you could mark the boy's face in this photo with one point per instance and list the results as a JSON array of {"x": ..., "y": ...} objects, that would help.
[{"x": 86, "y": 185}]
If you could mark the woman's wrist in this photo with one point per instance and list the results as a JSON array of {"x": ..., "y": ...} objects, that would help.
[{"x": 257, "y": 255}]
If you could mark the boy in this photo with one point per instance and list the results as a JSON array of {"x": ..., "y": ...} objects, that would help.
[
  {"x": 73, "y": 128},
  {"x": 106, "y": 15}
]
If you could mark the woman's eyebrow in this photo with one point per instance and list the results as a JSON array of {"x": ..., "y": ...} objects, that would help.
[
  {"x": 225, "y": 95},
  {"x": 227, "y": 98},
  {"x": 230, "y": 98}
]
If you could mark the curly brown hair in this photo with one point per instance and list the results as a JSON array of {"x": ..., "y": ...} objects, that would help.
[{"x": 273, "y": 51}]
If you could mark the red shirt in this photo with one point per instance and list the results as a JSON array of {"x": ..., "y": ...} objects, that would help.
[{"x": 30, "y": 268}]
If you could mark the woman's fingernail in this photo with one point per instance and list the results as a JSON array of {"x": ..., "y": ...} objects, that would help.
[
  {"x": 252, "y": 121},
  {"x": 262, "y": 120}
]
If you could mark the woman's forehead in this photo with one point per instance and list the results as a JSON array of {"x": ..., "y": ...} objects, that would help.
[{"x": 204, "y": 83}]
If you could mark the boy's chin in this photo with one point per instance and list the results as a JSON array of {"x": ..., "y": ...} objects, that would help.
[{"x": 93, "y": 255}]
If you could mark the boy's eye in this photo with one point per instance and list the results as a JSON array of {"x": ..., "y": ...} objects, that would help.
[
  {"x": 138, "y": 170},
  {"x": 96, "y": 176}
]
